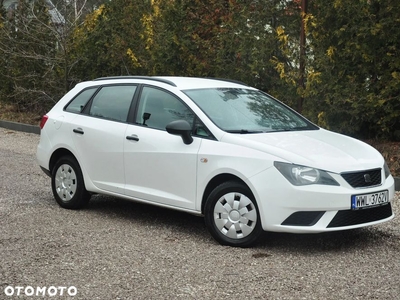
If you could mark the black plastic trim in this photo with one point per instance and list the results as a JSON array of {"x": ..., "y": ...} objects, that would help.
[
  {"x": 47, "y": 172},
  {"x": 358, "y": 180},
  {"x": 227, "y": 80},
  {"x": 137, "y": 77},
  {"x": 355, "y": 217},
  {"x": 303, "y": 218}
]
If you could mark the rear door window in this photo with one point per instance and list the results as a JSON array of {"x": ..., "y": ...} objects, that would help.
[{"x": 113, "y": 102}]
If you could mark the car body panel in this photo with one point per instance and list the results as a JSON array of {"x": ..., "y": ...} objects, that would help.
[
  {"x": 216, "y": 158},
  {"x": 100, "y": 151},
  {"x": 158, "y": 168},
  {"x": 278, "y": 199},
  {"x": 320, "y": 149}
]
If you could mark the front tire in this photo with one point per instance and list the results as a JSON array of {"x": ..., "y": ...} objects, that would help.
[
  {"x": 232, "y": 216},
  {"x": 68, "y": 185}
]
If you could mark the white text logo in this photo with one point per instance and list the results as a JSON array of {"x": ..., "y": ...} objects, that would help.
[{"x": 50, "y": 291}]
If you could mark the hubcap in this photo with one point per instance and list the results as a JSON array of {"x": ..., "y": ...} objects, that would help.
[
  {"x": 235, "y": 215},
  {"x": 65, "y": 181}
]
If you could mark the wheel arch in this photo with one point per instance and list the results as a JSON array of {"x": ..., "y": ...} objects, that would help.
[
  {"x": 217, "y": 180},
  {"x": 57, "y": 155},
  {"x": 68, "y": 190}
]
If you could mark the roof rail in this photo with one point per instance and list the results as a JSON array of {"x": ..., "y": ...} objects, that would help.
[
  {"x": 228, "y": 80},
  {"x": 137, "y": 77}
]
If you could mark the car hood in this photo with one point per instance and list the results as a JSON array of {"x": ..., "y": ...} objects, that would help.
[{"x": 320, "y": 149}]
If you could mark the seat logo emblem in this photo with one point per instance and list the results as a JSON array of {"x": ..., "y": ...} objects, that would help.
[{"x": 367, "y": 178}]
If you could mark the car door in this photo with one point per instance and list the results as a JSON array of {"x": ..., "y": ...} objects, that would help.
[
  {"x": 159, "y": 167},
  {"x": 99, "y": 135}
]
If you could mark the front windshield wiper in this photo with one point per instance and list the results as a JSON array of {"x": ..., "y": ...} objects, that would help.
[
  {"x": 293, "y": 129},
  {"x": 244, "y": 131}
]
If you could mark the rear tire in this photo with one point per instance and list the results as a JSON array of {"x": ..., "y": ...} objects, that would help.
[
  {"x": 232, "y": 216},
  {"x": 68, "y": 185}
]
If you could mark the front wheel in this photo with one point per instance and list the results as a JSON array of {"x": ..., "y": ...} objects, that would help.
[
  {"x": 231, "y": 215},
  {"x": 67, "y": 184}
]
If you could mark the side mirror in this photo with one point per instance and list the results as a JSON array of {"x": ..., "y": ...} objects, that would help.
[{"x": 181, "y": 128}]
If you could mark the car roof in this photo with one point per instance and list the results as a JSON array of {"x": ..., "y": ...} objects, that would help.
[{"x": 182, "y": 83}]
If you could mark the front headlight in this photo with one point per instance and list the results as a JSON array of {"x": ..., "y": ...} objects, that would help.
[{"x": 302, "y": 175}]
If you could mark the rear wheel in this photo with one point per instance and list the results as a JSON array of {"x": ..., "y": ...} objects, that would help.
[
  {"x": 68, "y": 185},
  {"x": 231, "y": 215}
]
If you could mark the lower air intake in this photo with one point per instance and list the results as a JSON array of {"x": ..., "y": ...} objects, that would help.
[
  {"x": 355, "y": 217},
  {"x": 303, "y": 218}
]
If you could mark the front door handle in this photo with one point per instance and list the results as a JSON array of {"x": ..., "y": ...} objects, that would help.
[
  {"x": 78, "y": 130},
  {"x": 132, "y": 137}
]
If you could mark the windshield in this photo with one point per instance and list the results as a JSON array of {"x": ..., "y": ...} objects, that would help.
[{"x": 247, "y": 111}]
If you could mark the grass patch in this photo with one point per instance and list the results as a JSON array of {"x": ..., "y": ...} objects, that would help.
[{"x": 9, "y": 112}]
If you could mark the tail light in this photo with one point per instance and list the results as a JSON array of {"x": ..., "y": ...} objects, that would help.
[{"x": 43, "y": 121}]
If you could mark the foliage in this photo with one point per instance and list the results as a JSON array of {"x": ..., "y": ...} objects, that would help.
[
  {"x": 229, "y": 39},
  {"x": 6, "y": 85},
  {"x": 355, "y": 51},
  {"x": 352, "y": 67},
  {"x": 212, "y": 38},
  {"x": 27, "y": 54},
  {"x": 112, "y": 42},
  {"x": 35, "y": 53}
]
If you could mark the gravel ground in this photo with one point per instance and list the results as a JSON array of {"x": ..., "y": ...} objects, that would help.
[{"x": 116, "y": 249}]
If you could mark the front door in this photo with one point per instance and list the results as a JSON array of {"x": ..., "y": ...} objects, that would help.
[{"x": 159, "y": 167}]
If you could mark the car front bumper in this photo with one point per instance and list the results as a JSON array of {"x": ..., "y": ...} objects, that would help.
[{"x": 315, "y": 208}]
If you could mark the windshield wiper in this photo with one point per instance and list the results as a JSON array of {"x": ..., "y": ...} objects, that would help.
[
  {"x": 244, "y": 131},
  {"x": 294, "y": 129}
]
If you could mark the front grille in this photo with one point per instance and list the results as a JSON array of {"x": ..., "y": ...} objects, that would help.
[
  {"x": 355, "y": 217},
  {"x": 363, "y": 178},
  {"x": 303, "y": 218}
]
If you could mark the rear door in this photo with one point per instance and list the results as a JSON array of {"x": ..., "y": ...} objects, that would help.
[{"x": 99, "y": 134}]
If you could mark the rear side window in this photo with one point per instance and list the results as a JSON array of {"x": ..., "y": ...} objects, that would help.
[
  {"x": 80, "y": 101},
  {"x": 113, "y": 102}
]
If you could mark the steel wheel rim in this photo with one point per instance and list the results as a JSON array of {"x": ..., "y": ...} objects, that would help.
[
  {"x": 235, "y": 215},
  {"x": 65, "y": 182}
]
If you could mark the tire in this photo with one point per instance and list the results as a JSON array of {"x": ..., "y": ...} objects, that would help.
[
  {"x": 68, "y": 185},
  {"x": 231, "y": 215}
]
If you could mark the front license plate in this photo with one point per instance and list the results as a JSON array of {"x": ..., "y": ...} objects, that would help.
[{"x": 369, "y": 200}]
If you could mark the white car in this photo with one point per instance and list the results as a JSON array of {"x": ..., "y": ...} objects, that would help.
[{"x": 211, "y": 147}]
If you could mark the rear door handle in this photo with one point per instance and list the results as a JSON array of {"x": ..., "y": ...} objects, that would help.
[
  {"x": 132, "y": 137},
  {"x": 78, "y": 130}
]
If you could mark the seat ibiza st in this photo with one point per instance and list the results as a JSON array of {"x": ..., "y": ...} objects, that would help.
[{"x": 211, "y": 147}]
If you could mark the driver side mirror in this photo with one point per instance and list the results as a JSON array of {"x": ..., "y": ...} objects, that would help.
[{"x": 181, "y": 128}]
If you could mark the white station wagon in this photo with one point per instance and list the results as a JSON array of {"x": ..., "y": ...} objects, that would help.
[{"x": 211, "y": 147}]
